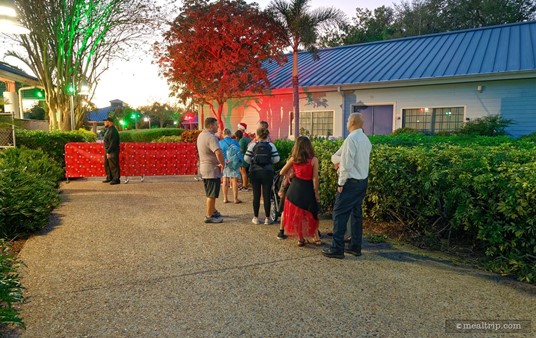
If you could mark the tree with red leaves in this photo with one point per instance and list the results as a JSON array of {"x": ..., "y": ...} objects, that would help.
[{"x": 214, "y": 51}]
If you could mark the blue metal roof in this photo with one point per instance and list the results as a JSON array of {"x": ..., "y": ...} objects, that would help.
[
  {"x": 4, "y": 67},
  {"x": 102, "y": 113},
  {"x": 481, "y": 51}
]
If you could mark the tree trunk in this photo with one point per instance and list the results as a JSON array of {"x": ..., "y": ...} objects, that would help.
[
  {"x": 295, "y": 93},
  {"x": 221, "y": 125}
]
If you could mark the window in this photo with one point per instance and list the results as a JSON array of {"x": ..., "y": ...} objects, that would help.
[
  {"x": 433, "y": 120},
  {"x": 318, "y": 123}
]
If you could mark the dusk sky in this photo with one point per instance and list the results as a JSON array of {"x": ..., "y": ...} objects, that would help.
[{"x": 137, "y": 82}]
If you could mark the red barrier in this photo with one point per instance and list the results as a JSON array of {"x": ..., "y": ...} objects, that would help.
[{"x": 135, "y": 159}]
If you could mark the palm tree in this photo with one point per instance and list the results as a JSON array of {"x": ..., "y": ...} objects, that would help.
[{"x": 302, "y": 28}]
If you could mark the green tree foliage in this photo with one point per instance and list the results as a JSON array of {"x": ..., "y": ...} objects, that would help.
[
  {"x": 462, "y": 14},
  {"x": 302, "y": 30},
  {"x": 419, "y": 17},
  {"x": 214, "y": 51},
  {"x": 164, "y": 113},
  {"x": 73, "y": 41},
  {"x": 366, "y": 26}
]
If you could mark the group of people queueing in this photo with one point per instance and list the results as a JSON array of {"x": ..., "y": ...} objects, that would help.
[{"x": 300, "y": 188}]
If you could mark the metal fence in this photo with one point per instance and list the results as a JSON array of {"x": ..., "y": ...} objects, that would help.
[{"x": 7, "y": 130}]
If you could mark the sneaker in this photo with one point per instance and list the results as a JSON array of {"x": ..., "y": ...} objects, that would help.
[
  {"x": 243, "y": 189},
  {"x": 213, "y": 219},
  {"x": 255, "y": 220},
  {"x": 268, "y": 220},
  {"x": 281, "y": 235},
  {"x": 216, "y": 214}
]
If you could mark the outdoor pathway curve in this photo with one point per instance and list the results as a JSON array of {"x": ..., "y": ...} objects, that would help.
[{"x": 136, "y": 260}]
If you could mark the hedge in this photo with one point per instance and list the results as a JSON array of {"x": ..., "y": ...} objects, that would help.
[
  {"x": 52, "y": 143},
  {"x": 28, "y": 181},
  {"x": 148, "y": 135},
  {"x": 478, "y": 191},
  {"x": 11, "y": 289}
]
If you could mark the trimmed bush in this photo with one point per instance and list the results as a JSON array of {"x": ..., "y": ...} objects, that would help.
[
  {"x": 451, "y": 190},
  {"x": 148, "y": 135},
  {"x": 284, "y": 147},
  {"x": 493, "y": 125},
  {"x": 52, "y": 143},
  {"x": 168, "y": 139},
  {"x": 11, "y": 289},
  {"x": 482, "y": 196},
  {"x": 190, "y": 136},
  {"x": 28, "y": 181}
]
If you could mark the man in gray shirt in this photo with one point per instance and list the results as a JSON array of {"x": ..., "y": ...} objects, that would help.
[{"x": 211, "y": 164}]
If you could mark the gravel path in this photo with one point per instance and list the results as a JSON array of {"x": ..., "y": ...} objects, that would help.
[{"x": 136, "y": 260}]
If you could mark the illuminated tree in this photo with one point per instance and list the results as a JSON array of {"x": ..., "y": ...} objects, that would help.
[
  {"x": 162, "y": 112},
  {"x": 73, "y": 41},
  {"x": 214, "y": 51},
  {"x": 302, "y": 30}
]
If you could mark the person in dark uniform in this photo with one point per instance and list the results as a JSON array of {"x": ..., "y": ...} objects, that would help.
[{"x": 111, "y": 156}]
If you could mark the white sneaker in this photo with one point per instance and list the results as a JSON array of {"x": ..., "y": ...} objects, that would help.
[
  {"x": 268, "y": 220},
  {"x": 255, "y": 220}
]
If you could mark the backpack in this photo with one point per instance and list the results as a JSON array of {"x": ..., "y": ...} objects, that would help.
[
  {"x": 262, "y": 153},
  {"x": 233, "y": 157}
]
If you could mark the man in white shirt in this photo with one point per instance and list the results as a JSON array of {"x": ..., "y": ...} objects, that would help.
[{"x": 352, "y": 185}]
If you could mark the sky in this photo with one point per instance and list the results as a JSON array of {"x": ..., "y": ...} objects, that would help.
[{"x": 138, "y": 83}]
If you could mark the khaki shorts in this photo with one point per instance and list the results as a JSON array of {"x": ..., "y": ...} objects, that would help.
[{"x": 212, "y": 187}]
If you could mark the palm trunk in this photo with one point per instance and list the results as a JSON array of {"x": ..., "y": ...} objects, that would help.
[{"x": 295, "y": 93}]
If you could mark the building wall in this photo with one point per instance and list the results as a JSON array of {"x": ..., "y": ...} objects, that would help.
[{"x": 514, "y": 99}]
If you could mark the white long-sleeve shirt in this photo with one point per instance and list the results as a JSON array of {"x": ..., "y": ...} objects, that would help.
[{"x": 353, "y": 157}]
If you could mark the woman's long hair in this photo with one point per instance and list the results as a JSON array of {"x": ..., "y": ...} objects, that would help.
[{"x": 302, "y": 150}]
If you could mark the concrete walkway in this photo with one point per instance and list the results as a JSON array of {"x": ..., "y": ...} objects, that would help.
[{"x": 136, "y": 260}]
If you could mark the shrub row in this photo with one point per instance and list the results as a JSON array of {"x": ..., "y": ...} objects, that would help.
[
  {"x": 52, "y": 143},
  {"x": 11, "y": 289},
  {"x": 448, "y": 190},
  {"x": 28, "y": 192},
  {"x": 28, "y": 180},
  {"x": 148, "y": 135},
  {"x": 483, "y": 196}
]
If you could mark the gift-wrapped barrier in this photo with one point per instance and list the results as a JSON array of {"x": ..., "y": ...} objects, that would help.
[{"x": 84, "y": 159}]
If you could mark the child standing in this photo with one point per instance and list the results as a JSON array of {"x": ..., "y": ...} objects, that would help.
[{"x": 300, "y": 215}]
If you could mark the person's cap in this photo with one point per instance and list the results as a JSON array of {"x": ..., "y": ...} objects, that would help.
[
  {"x": 242, "y": 126},
  {"x": 109, "y": 119}
]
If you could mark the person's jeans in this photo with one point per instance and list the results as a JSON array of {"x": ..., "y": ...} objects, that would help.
[
  {"x": 261, "y": 180},
  {"x": 349, "y": 202}
]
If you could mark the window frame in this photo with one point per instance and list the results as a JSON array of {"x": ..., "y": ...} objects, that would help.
[
  {"x": 326, "y": 125},
  {"x": 433, "y": 122}
]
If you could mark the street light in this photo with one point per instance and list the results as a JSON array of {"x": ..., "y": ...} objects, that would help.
[
  {"x": 147, "y": 119},
  {"x": 8, "y": 19}
]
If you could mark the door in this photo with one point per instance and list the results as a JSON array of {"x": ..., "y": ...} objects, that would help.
[{"x": 378, "y": 119}]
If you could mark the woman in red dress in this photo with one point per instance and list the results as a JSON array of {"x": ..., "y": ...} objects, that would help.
[{"x": 300, "y": 215}]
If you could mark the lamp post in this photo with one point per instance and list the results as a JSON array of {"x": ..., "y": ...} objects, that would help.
[{"x": 147, "y": 119}]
